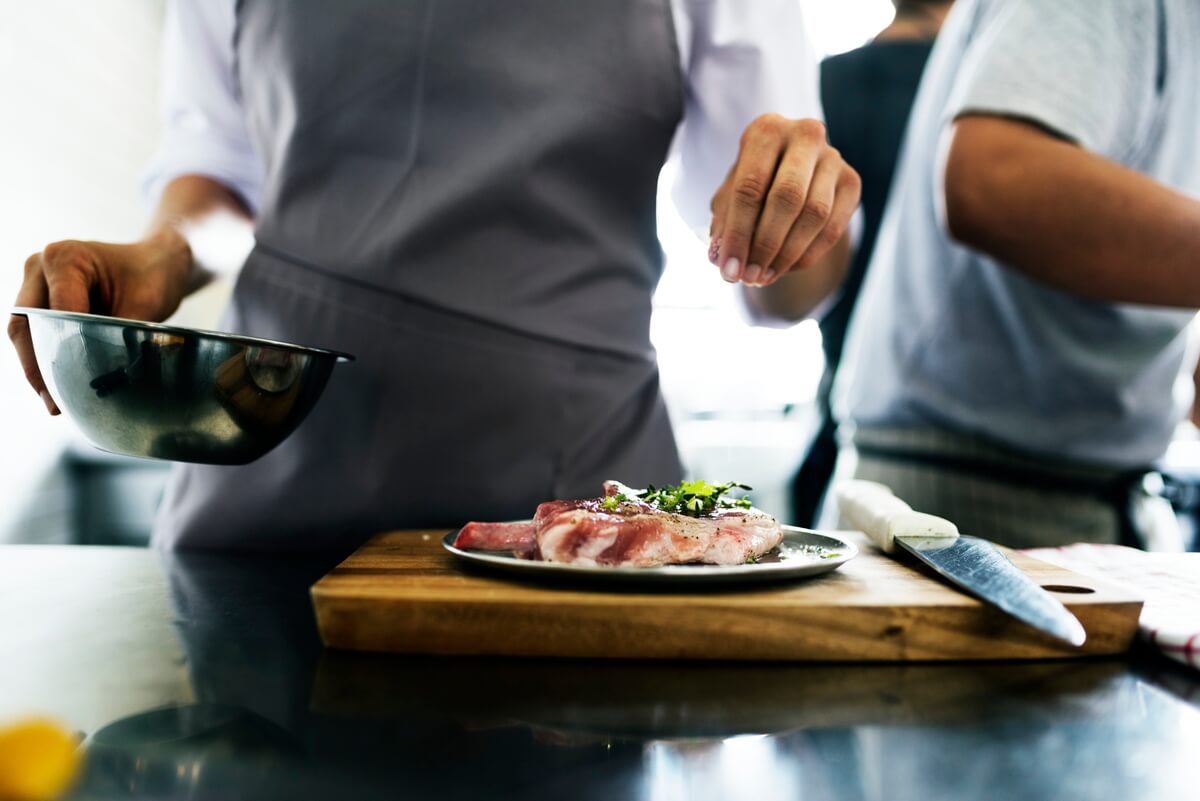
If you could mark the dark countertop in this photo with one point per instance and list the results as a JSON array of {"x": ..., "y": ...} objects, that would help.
[{"x": 201, "y": 676}]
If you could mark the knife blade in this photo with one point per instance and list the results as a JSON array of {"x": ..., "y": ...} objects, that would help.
[{"x": 969, "y": 562}]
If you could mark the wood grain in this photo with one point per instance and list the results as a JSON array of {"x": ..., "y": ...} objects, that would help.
[{"x": 402, "y": 592}]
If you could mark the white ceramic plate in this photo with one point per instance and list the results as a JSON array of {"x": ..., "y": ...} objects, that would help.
[{"x": 802, "y": 553}]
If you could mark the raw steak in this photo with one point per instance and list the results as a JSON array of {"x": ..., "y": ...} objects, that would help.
[{"x": 633, "y": 534}]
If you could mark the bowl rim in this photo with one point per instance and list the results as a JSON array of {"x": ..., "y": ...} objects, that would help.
[{"x": 29, "y": 311}]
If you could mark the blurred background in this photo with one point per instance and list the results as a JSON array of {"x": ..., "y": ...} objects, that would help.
[{"x": 79, "y": 89}]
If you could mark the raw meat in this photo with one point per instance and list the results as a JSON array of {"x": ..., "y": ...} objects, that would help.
[
  {"x": 517, "y": 537},
  {"x": 629, "y": 533}
]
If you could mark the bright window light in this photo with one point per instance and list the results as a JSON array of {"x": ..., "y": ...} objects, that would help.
[{"x": 741, "y": 397}]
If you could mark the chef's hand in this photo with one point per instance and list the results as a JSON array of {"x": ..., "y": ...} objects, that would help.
[
  {"x": 143, "y": 281},
  {"x": 786, "y": 201}
]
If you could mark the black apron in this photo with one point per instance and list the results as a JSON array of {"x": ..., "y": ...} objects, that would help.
[{"x": 462, "y": 194}]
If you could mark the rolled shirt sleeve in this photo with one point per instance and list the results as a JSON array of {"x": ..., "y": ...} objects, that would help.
[
  {"x": 203, "y": 125},
  {"x": 1081, "y": 69},
  {"x": 741, "y": 60}
]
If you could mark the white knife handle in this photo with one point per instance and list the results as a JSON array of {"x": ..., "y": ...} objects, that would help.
[{"x": 872, "y": 508}]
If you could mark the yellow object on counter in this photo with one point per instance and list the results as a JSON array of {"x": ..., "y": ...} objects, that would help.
[{"x": 38, "y": 760}]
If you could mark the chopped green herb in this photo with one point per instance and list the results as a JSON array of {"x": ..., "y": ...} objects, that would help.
[
  {"x": 611, "y": 502},
  {"x": 695, "y": 498}
]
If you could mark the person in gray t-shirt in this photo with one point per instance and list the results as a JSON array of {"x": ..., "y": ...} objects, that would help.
[{"x": 1015, "y": 360}]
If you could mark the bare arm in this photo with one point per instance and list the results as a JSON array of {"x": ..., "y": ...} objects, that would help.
[
  {"x": 1070, "y": 218},
  {"x": 795, "y": 296},
  {"x": 142, "y": 280},
  {"x": 189, "y": 202}
]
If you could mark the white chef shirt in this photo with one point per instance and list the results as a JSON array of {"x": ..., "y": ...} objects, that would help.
[{"x": 740, "y": 59}]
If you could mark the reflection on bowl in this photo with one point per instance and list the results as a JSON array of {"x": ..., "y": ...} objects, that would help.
[{"x": 145, "y": 389}]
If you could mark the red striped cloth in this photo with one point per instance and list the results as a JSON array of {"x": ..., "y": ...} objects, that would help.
[{"x": 1169, "y": 583}]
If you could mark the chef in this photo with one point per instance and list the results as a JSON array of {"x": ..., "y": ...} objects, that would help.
[
  {"x": 1015, "y": 362},
  {"x": 462, "y": 194}
]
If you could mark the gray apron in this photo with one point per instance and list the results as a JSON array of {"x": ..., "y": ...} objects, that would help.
[{"x": 462, "y": 194}]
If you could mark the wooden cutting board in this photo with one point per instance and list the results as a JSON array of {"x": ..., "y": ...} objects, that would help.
[{"x": 402, "y": 592}]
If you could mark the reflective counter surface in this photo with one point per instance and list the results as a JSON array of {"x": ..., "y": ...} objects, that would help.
[{"x": 202, "y": 676}]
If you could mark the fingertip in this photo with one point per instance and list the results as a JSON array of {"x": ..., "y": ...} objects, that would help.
[
  {"x": 51, "y": 407},
  {"x": 732, "y": 270},
  {"x": 752, "y": 275}
]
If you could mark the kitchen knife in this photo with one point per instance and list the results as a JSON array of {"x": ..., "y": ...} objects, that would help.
[{"x": 972, "y": 563}]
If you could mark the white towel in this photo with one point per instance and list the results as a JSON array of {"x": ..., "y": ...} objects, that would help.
[{"x": 1169, "y": 583}]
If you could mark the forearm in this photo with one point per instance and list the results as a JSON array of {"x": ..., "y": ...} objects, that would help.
[
  {"x": 193, "y": 198},
  {"x": 207, "y": 219},
  {"x": 795, "y": 296},
  {"x": 1070, "y": 218}
]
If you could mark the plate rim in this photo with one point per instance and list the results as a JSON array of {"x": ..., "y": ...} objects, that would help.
[{"x": 665, "y": 574}]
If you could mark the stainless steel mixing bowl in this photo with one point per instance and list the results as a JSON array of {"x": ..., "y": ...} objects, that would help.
[{"x": 165, "y": 392}]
